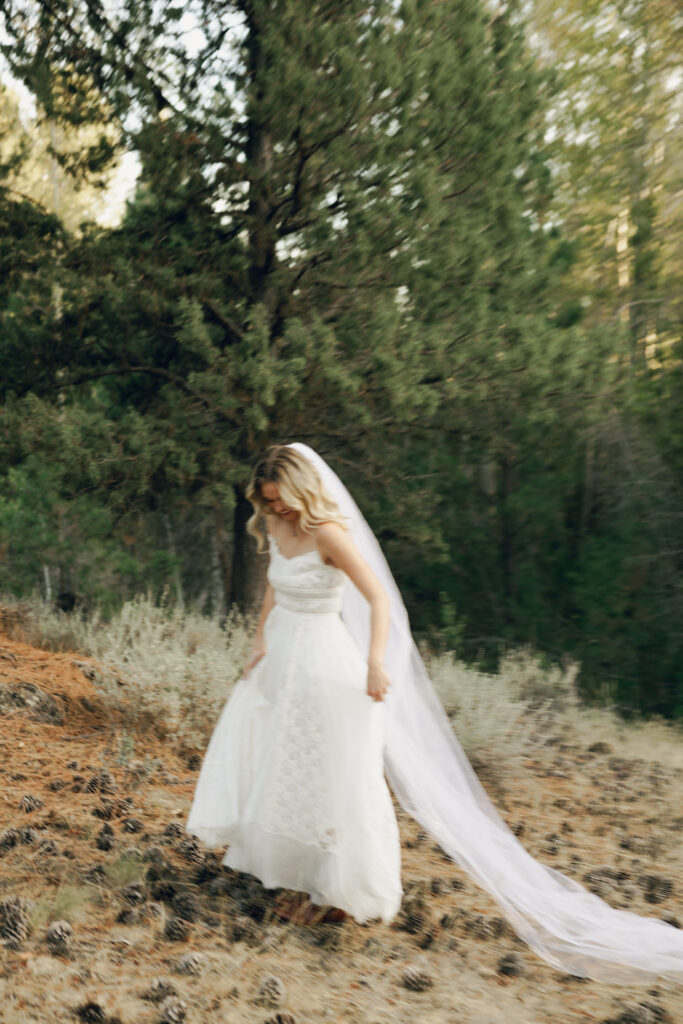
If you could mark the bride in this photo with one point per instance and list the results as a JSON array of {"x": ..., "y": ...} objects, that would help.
[
  {"x": 334, "y": 695},
  {"x": 293, "y": 777}
]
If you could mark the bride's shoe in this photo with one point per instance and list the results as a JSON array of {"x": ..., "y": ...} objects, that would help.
[
  {"x": 334, "y": 915},
  {"x": 296, "y": 910},
  {"x": 285, "y": 907},
  {"x": 301, "y": 911}
]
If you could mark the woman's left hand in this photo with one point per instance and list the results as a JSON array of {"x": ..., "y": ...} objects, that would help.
[
  {"x": 378, "y": 682},
  {"x": 257, "y": 652}
]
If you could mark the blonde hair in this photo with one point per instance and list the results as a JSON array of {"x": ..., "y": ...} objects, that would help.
[{"x": 300, "y": 488}]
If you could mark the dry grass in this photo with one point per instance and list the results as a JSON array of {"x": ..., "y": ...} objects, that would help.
[
  {"x": 181, "y": 667},
  {"x": 507, "y": 713},
  {"x": 525, "y": 707},
  {"x": 175, "y": 667},
  {"x": 579, "y": 810}
]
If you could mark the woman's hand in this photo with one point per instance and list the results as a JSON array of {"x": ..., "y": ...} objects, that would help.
[
  {"x": 258, "y": 646},
  {"x": 378, "y": 681},
  {"x": 257, "y": 652}
]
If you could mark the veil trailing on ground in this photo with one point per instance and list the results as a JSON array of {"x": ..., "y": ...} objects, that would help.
[{"x": 428, "y": 770}]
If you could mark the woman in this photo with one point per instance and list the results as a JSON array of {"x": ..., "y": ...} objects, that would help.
[
  {"x": 300, "y": 734},
  {"x": 293, "y": 777}
]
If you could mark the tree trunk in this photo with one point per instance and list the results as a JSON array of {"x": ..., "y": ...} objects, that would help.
[
  {"x": 248, "y": 567},
  {"x": 48, "y": 582},
  {"x": 217, "y": 594},
  {"x": 223, "y": 554},
  {"x": 259, "y": 150},
  {"x": 177, "y": 578},
  {"x": 507, "y": 539}
]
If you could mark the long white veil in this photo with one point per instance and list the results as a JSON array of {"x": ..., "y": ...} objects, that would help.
[{"x": 434, "y": 782}]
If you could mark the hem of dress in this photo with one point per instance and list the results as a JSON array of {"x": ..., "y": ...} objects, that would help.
[{"x": 245, "y": 854}]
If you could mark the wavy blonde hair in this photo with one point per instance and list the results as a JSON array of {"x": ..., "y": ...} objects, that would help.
[{"x": 300, "y": 488}]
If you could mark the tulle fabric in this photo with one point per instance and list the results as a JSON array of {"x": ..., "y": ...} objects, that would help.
[
  {"x": 293, "y": 776},
  {"x": 434, "y": 782}
]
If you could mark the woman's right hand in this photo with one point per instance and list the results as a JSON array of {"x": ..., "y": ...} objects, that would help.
[
  {"x": 257, "y": 653},
  {"x": 378, "y": 682}
]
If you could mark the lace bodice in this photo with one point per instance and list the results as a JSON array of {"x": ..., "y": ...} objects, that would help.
[{"x": 304, "y": 583}]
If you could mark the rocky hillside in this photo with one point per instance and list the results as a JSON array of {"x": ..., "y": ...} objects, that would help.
[{"x": 109, "y": 912}]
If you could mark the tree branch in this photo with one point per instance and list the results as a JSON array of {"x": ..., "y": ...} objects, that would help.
[{"x": 151, "y": 371}]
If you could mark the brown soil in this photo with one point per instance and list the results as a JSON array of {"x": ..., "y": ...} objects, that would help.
[{"x": 576, "y": 809}]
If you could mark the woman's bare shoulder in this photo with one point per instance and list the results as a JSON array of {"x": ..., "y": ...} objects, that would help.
[
  {"x": 331, "y": 540},
  {"x": 330, "y": 526},
  {"x": 331, "y": 533}
]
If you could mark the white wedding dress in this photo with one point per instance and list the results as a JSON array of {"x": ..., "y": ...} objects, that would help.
[{"x": 293, "y": 776}]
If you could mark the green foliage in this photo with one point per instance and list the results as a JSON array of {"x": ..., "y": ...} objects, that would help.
[{"x": 351, "y": 228}]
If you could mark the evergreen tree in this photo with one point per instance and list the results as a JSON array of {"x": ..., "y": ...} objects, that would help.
[
  {"x": 301, "y": 176},
  {"x": 343, "y": 232}
]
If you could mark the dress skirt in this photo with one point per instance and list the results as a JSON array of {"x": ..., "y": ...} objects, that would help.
[{"x": 293, "y": 776}]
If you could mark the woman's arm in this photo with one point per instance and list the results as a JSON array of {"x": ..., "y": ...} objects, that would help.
[
  {"x": 258, "y": 645},
  {"x": 336, "y": 548}
]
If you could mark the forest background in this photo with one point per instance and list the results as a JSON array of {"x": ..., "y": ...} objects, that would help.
[{"x": 440, "y": 242}]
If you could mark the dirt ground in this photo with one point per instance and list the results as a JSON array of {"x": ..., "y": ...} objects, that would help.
[{"x": 110, "y": 912}]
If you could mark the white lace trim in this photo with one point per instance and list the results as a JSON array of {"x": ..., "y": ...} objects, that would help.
[
  {"x": 305, "y": 584},
  {"x": 297, "y": 603}
]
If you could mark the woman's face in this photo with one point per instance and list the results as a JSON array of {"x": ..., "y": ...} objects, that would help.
[{"x": 271, "y": 496}]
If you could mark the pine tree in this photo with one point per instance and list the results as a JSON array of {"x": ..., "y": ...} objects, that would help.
[{"x": 305, "y": 255}]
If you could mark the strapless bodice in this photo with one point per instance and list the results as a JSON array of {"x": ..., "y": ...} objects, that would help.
[{"x": 304, "y": 583}]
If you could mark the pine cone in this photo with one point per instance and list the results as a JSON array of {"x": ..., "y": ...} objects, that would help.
[
  {"x": 15, "y": 921},
  {"x": 657, "y": 889},
  {"x": 189, "y": 849},
  {"x": 177, "y": 930},
  {"x": 91, "y": 1013},
  {"x": 413, "y": 917},
  {"x": 243, "y": 929},
  {"x": 95, "y": 873},
  {"x": 102, "y": 781},
  {"x": 191, "y": 963},
  {"x": 173, "y": 1011},
  {"x": 132, "y": 825},
  {"x": 29, "y": 803},
  {"x": 8, "y": 839},
  {"x": 59, "y": 937},
  {"x": 154, "y": 854},
  {"x": 416, "y": 979},
  {"x": 185, "y": 905},
  {"x": 160, "y": 989},
  {"x": 107, "y": 783},
  {"x": 134, "y": 893},
  {"x": 104, "y": 840},
  {"x": 483, "y": 927},
  {"x": 128, "y": 915},
  {"x": 163, "y": 890},
  {"x": 511, "y": 965},
  {"x": 271, "y": 991},
  {"x": 104, "y": 810}
]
